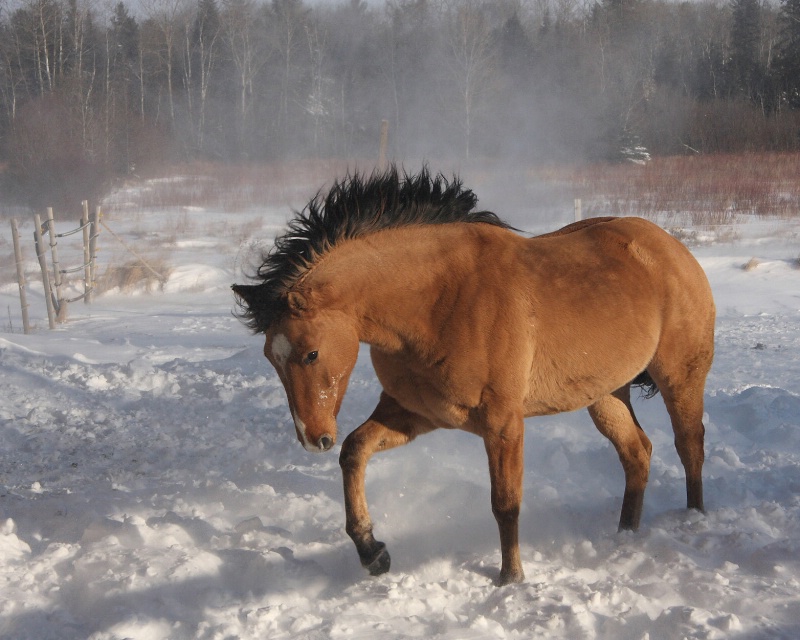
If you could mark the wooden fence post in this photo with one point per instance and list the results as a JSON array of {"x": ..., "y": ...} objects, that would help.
[
  {"x": 23, "y": 298},
  {"x": 384, "y": 144},
  {"x": 42, "y": 255},
  {"x": 61, "y": 303},
  {"x": 94, "y": 229},
  {"x": 88, "y": 289}
]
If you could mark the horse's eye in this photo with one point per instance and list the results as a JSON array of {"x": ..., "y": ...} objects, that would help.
[{"x": 312, "y": 356}]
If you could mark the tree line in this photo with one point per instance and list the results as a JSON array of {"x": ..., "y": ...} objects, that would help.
[{"x": 91, "y": 92}]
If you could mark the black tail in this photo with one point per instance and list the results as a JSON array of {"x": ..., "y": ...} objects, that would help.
[{"x": 646, "y": 384}]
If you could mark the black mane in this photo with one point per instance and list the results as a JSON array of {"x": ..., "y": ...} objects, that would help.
[{"x": 352, "y": 208}]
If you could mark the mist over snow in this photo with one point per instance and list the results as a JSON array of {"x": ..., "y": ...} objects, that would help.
[{"x": 152, "y": 487}]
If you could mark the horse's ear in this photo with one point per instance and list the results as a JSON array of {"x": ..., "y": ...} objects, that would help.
[
  {"x": 298, "y": 303},
  {"x": 247, "y": 293}
]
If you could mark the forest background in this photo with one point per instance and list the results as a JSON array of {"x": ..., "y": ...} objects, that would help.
[{"x": 93, "y": 92}]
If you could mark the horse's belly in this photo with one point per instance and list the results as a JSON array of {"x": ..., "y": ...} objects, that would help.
[
  {"x": 580, "y": 380},
  {"x": 563, "y": 403}
]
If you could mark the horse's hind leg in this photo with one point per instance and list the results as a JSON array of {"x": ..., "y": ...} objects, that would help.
[
  {"x": 680, "y": 369},
  {"x": 685, "y": 408},
  {"x": 614, "y": 418},
  {"x": 389, "y": 426}
]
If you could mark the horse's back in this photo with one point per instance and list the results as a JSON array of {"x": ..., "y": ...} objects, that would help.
[
  {"x": 615, "y": 246},
  {"x": 577, "y": 226}
]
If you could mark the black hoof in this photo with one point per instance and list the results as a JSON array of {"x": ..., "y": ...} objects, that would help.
[{"x": 380, "y": 562}]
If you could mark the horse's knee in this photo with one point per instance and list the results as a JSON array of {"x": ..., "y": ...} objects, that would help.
[
  {"x": 352, "y": 452},
  {"x": 346, "y": 457},
  {"x": 506, "y": 514}
]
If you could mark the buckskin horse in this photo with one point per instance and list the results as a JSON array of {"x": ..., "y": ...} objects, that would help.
[{"x": 475, "y": 327}]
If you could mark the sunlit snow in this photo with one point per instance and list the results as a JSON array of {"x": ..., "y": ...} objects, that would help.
[{"x": 152, "y": 485}]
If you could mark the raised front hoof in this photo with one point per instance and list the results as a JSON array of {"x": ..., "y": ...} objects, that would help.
[
  {"x": 509, "y": 577},
  {"x": 379, "y": 562}
]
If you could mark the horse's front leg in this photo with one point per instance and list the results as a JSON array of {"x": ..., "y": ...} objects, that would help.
[
  {"x": 506, "y": 461},
  {"x": 389, "y": 426}
]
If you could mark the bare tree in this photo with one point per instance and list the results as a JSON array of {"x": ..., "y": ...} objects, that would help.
[
  {"x": 168, "y": 16},
  {"x": 202, "y": 53},
  {"x": 318, "y": 104},
  {"x": 36, "y": 28},
  {"x": 471, "y": 59},
  {"x": 239, "y": 26},
  {"x": 10, "y": 79},
  {"x": 287, "y": 25},
  {"x": 83, "y": 64}
]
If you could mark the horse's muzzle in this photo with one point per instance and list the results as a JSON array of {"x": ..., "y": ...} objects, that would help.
[{"x": 324, "y": 443}]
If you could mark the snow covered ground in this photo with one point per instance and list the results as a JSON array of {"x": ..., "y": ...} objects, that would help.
[{"x": 151, "y": 485}]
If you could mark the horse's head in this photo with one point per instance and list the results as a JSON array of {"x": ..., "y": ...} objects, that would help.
[{"x": 314, "y": 351}]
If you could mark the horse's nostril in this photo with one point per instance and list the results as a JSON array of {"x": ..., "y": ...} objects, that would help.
[{"x": 325, "y": 442}]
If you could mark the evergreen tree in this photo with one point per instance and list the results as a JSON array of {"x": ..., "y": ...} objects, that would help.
[
  {"x": 124, "y": 39},
  {"x": 745, "y": 34},
  {"x": 788, "y": 62},
  {"x": 516, "y": 50}
]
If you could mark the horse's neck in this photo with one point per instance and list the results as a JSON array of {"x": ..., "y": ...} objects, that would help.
[{"x": 395, "y": 282}]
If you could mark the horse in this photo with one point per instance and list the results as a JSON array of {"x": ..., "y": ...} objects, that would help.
[{"x": 473, "y": 326}]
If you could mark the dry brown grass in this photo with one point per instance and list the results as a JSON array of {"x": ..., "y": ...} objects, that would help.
[
  {"x": 698, "y": 190},
  {"x": 711, "y": 190},
  {"x": 234, "y": 188},
  {"x": 237, "y": 233},
  {"x": 133, "y": 275},
  {"x": 751, "y": 264}
]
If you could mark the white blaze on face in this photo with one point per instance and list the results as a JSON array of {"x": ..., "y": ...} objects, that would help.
[
  {"x": 301, "y": 429},
  {"x": 281, "y": 349}
]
